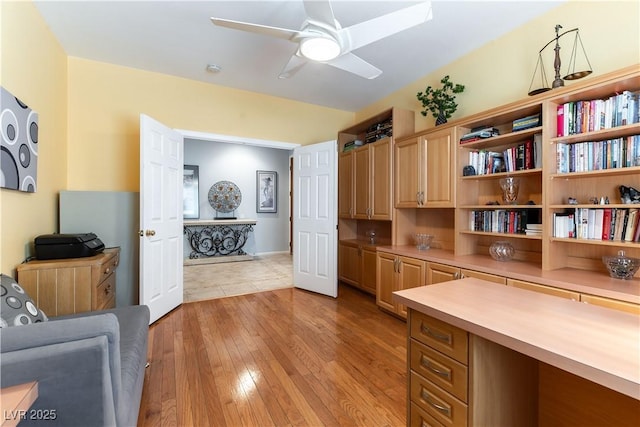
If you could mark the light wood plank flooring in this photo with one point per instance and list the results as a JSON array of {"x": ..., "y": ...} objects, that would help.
[{"x": 277, "y": 358}]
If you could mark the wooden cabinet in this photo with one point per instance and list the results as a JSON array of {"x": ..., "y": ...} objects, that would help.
[
  {"x": 67, "y": 286},
  {"x": 562, "y": 293},
  {"x": 437, "y": 273},
  {"x": 368, "y": 269},
  {"x": 395, "y": 273},
  {"x": 610, "y": 303},
  {"x": 423, "y": 165},
  {"x": 372, "y": 178},
  {"x": 349, "y": 263},
  {"x": 346, "y": 185},
  {"x": 365, "y": 174},
  {"x": 357, "y": 266}
]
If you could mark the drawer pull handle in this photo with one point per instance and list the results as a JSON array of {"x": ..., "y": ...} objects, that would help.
[
  {"x": 443, "y": 409},
  {"x": 440, "y": 337},
  {"x": 107, "y": 270},
  {"x": 427, "y": 364}
]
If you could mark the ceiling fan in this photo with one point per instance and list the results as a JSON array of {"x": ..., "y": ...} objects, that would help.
[{"x": 322, "y": 39}]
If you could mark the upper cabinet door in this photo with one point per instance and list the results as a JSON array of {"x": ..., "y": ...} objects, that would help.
[
  {"x": 346, "y": 184},
  {"x": 407, "y": 173},
  {"x": 361, "y": 176},
  {"x": 381, "y": 203},
  {"x": 439, "y": 179}
]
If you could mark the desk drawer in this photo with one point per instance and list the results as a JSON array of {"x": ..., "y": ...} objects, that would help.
[
  {"x": 441, "y": 370},
  {"x": 108, "y": 267},
  {"x": 106, "y": 293},
  {"x": 438, "y": 403},
  {"x": 420, "y": 418},
  {"x": 443, "y": 337}
]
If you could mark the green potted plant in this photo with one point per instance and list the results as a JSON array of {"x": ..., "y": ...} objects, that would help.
[{"x": 441, "y": 102}]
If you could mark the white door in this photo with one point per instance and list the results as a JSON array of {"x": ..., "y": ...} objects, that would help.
[
  {"x": 315, "y": 218},
  {"x": 161, "y": 258}
]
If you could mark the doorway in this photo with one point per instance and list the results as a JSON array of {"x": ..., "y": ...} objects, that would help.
[{"x": 238, "y": 160}]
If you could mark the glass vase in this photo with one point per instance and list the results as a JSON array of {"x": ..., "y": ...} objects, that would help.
[{"x": 510, "y": 187}]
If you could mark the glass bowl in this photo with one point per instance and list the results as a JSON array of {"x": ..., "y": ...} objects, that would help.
[
  {"x": 621, "y": 266},
  {"x": 422, "y": 241},
  {"x": 501, "y": 251}
]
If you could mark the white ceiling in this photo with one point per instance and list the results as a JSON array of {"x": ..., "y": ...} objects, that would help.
[{"x": 178, "y": 38}]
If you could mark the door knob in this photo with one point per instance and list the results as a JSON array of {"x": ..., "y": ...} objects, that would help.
[{"x": 150, "y": 233}]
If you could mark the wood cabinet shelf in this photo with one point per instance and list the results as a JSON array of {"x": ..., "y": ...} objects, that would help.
[
  {"x": 503, "y": 207},
  {"x": 611, "y": 133},
  {"x": 498, "y": 175},
  {"x": 509, "y": 235},
  {"x": 610, "y": 243},
  {"x": 596, "y": 173},
  {"x": 504, "y": 139}
]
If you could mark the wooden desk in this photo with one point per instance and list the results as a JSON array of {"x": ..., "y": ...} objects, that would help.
[
  {"x": 15, "y": 401},
  {"x": 528, "y": 359}
]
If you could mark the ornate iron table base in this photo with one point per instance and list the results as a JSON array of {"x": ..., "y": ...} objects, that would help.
[{"x": 217, "y": 238}]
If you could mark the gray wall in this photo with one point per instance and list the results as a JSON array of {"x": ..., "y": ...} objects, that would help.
[
  {"x": 238, "y": 163},
  {"x": 114, "y": 216}
]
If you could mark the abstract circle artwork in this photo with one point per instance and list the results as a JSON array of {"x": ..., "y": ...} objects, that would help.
[
  {"x": 224, "y": 196},
  {"x": 18, "y": 144}
]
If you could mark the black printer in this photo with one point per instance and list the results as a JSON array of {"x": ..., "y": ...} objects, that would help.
[{"x": 55, "y": 246}]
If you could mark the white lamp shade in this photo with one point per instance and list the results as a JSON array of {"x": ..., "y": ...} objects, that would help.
[{"x": 320, "y": 48}]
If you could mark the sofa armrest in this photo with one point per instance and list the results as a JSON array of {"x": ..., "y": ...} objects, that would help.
[
  {"x": 74, "y": 382},
  {"x": 75, "y": 361}
]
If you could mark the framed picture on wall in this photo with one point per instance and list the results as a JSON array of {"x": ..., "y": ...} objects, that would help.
[
  {"x": 191, "y": 200},
  {"x": 267, "y": 191}
]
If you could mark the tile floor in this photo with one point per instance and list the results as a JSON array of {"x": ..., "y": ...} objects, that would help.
[{"x": 265, "y": 272}]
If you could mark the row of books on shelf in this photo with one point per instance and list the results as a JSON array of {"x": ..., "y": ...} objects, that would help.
[
  {"x": 379, "y": 131},
  {"x": 598, "y": 155},
  {"x": 614, "y": 224},
  {"x": 523, "y": 156},
  {"x": 499, "y": 221},
  {"x": 591, "y": 115}
]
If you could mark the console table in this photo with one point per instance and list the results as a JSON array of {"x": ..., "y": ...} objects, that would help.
[{"x": 214, "y": 241}]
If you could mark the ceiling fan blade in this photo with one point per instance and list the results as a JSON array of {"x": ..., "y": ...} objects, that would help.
[
  {"x": 356, "y": 65},
  {"x": 282, "y": 33},
  {"x": 320, "y": 11},
  {"x": 292, "y": 67},
  {"x": 367, "y": 32}
]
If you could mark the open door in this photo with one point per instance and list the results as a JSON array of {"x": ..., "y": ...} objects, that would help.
[
  {"x": 161, "y": 239},
  {"x": 315, "y": 218}
]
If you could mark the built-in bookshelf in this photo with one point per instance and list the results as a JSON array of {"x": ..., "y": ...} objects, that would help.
[
  {"x": 482, "y": 216},
  {"x": 570, "y": 166},
  {"x": 593, "y": 149}
]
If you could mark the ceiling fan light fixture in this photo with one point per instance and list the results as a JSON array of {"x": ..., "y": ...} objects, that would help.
[{"x": 320, "y": 48}]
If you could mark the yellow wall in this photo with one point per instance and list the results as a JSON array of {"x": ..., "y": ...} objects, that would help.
[
  {"x": 501, "y": 71},
  {"x": 34, "y": 68},
  {"x": 105, "y": 103}
]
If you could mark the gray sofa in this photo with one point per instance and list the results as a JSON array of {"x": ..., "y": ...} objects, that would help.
[{"x": 89, "y": 366}]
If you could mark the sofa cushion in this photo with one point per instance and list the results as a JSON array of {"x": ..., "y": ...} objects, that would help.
[{"x": 16, "y": 307}]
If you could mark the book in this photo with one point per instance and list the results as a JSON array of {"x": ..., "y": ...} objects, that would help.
[
  {"x": 620, "y": 216},
  {"x": 560, "y": 120},
  {"x": 606, "y": 223},
  {"x": 631, "y": 223}
]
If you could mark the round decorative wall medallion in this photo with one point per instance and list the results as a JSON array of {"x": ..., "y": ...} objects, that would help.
[{"x": 224, "y": 196}]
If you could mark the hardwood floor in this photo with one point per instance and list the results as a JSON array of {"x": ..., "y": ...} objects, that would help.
[{"x": 277, "y": 358}]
